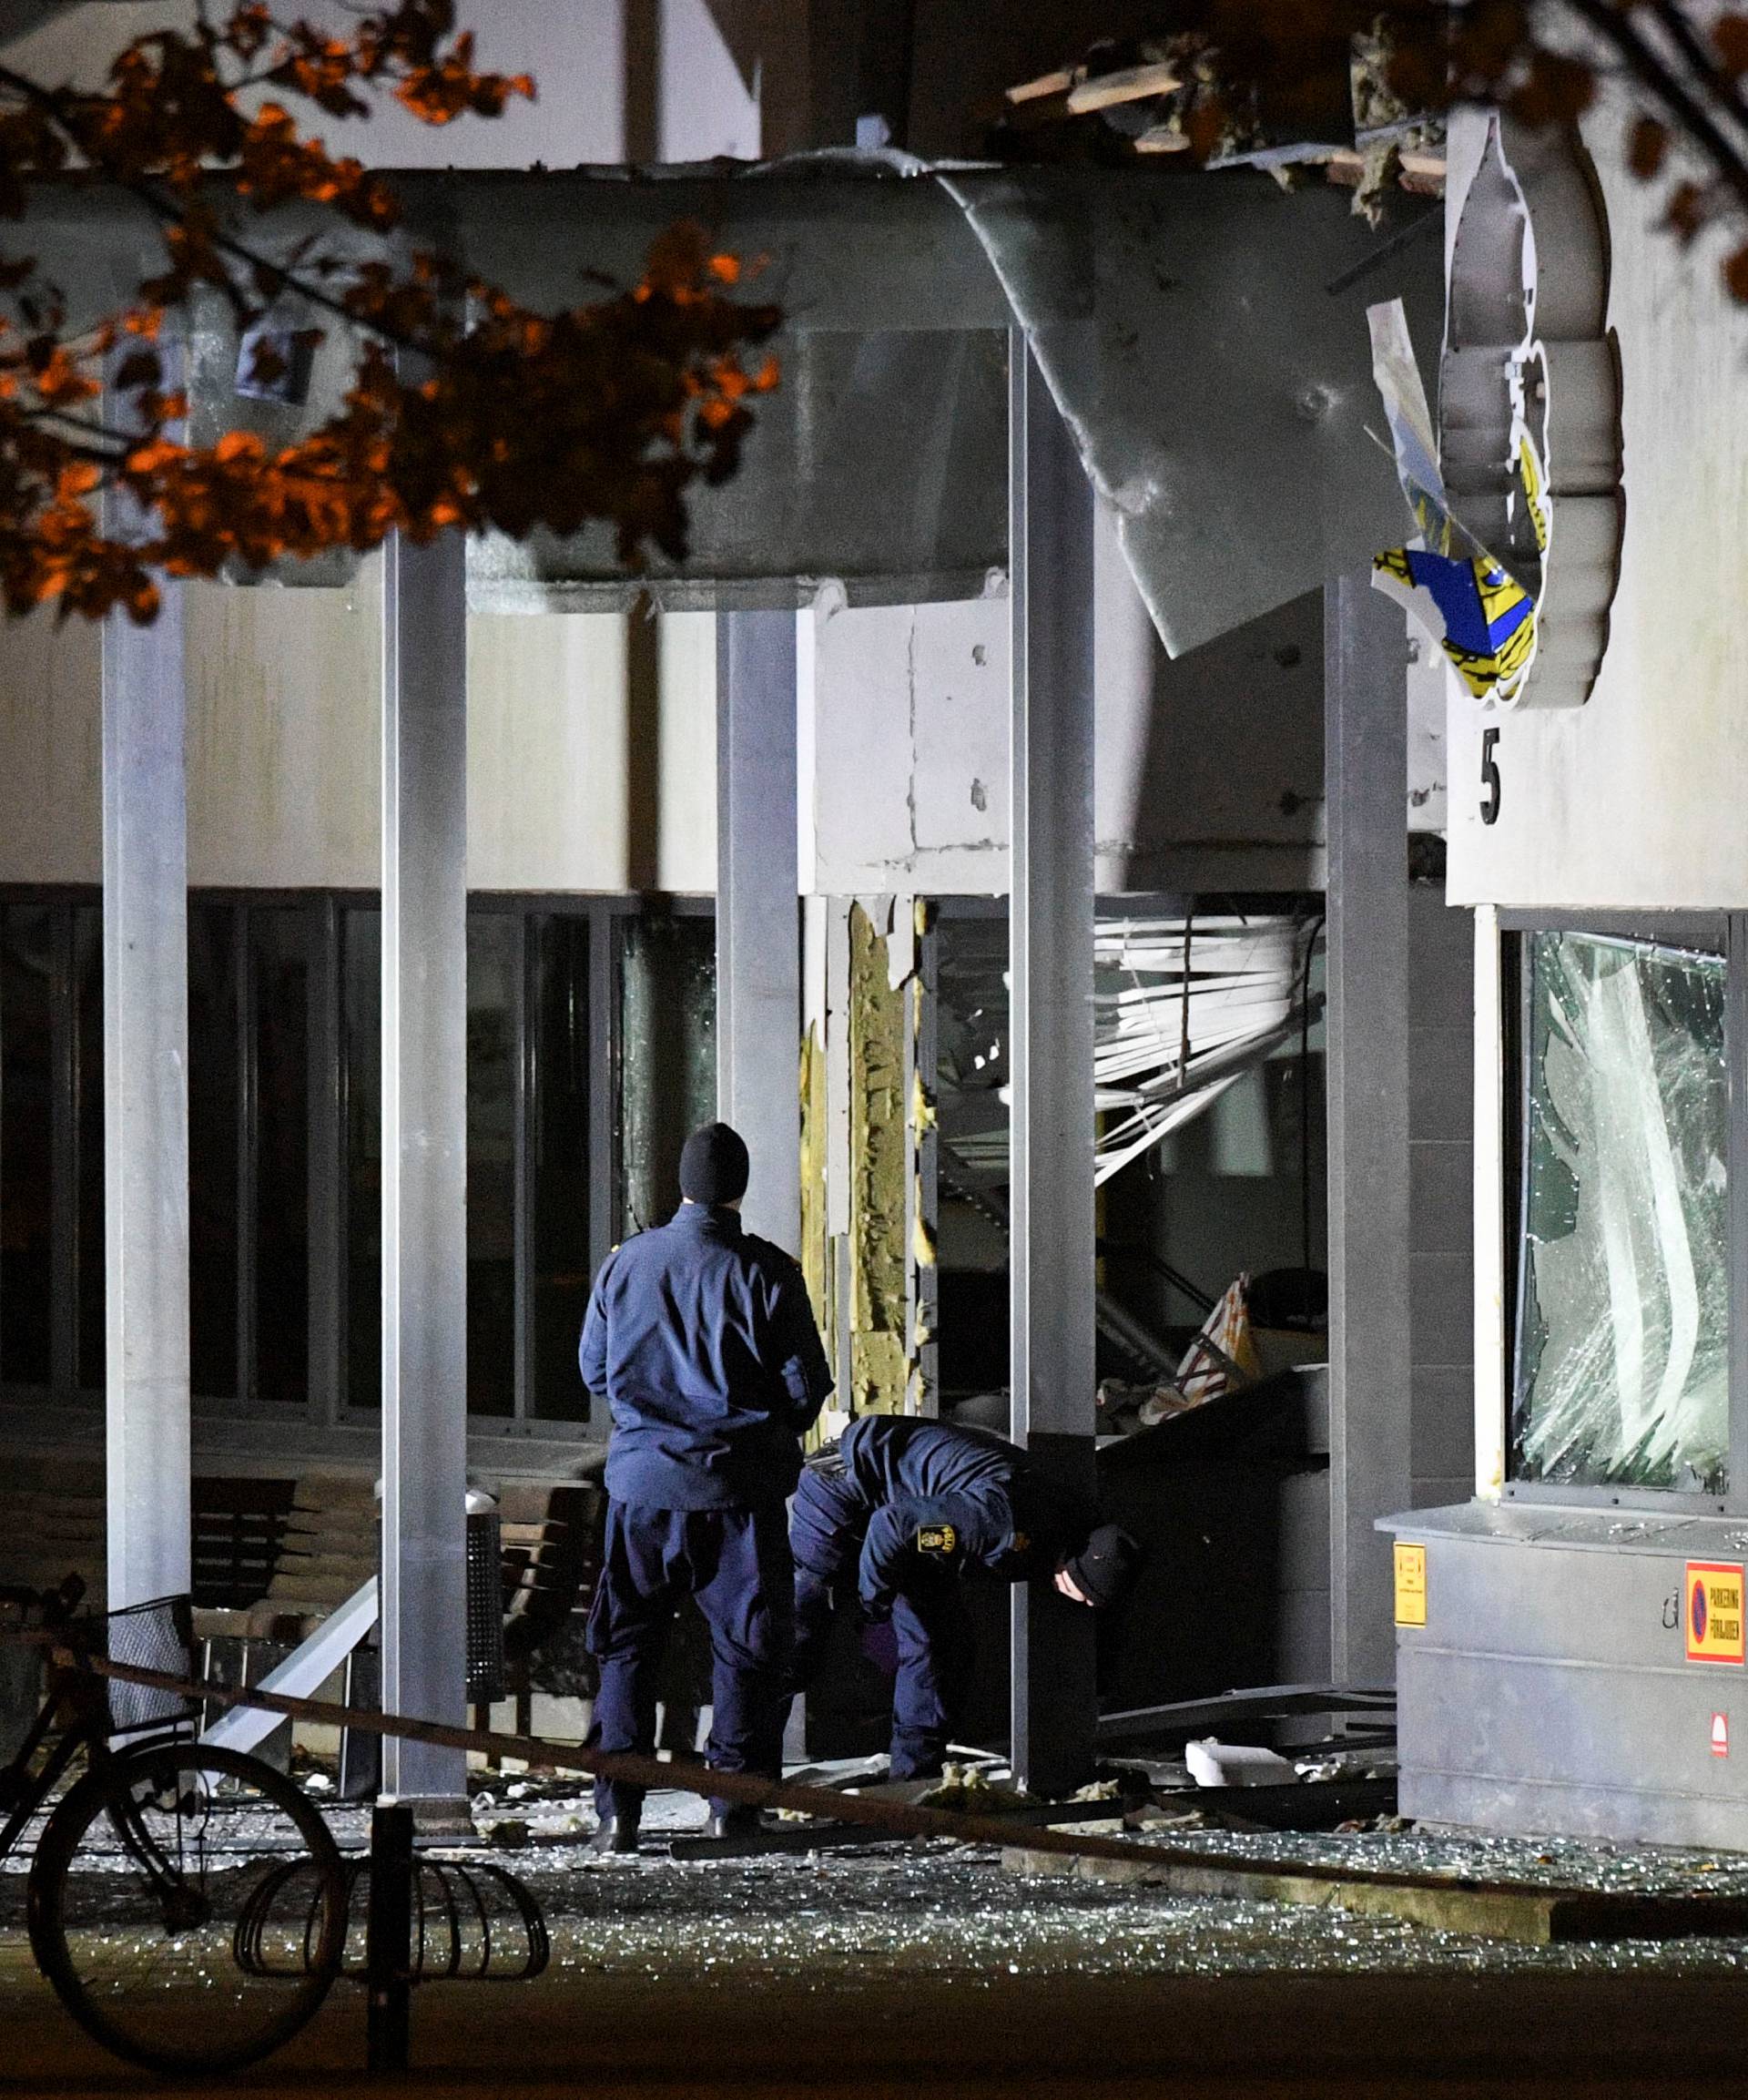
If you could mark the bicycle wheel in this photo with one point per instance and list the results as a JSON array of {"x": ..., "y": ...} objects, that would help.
[{"x": 146, "y": 1904}]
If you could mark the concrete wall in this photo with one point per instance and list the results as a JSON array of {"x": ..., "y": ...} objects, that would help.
[
  {"x": 1209, "y": 769},
  {"x": 590, "y": 747},
  {"x": 1636, "y": 799},
  {"x": 1441, "y": 1222}
]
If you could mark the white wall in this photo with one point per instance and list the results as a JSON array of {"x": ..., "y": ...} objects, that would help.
[
  {"x": 1209, "y": 770},
  {"x": 554, "y": 797},
  {"x": 1638, "y": 797},
  {"x": 711, "y": 74},
  {"x": 566, "y": 791},
  {"x": 591, "y": 762}
]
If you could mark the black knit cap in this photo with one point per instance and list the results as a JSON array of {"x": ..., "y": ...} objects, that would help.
[
  {"x": 714, "y": 1166},
  {"x": 1105, "y": 1567}
]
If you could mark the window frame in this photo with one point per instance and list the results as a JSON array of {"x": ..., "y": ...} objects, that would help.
[
  {"x": 1720, "y": 932},
  {"x": 603, "y": 913},
  {"x": 63, "y": 901},
  {"x": 327, "y": 1405}
]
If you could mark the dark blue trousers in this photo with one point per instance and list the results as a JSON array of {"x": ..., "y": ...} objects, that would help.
[
  {"x": 736, "y": 1562},
  {"x": 930, "y": 1625}
]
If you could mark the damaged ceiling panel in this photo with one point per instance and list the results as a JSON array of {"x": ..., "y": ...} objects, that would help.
[
  {"x": 844, "y": 241},
  {"x": 1221, "y": 379},
  {"x": 1204, "y": 333},
  {"x": 880, "y": 463}
]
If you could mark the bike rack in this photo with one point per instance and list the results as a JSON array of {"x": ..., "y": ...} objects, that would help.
[{"x": 425, "y": 1922}]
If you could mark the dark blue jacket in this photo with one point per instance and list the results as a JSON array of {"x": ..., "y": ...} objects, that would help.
[
  {"x": 702, "y": 1338},
  {"x": 948, "y": 1499}
]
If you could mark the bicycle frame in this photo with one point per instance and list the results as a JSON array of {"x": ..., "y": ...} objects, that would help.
[
  {"x": 145, "y": 1826},
  {"x": 24, "y": 1793},
  {"x": 35, "y": 1788},
  {"x": 28, "y": 1791}
]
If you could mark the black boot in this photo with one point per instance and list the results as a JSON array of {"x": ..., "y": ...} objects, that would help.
[
  {"x": 616, "y": 1834},
  {"x": 736, "y": 1822}
]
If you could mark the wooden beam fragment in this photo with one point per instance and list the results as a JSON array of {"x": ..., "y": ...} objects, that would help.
[
  {"x": 1128, "y": 84},
  {"x": 1421, "y": 174},
  {"x": 1057, "y": 83},
  {"x": 1531, "y": 1916},
  {"x": 1162, "y": 139}
]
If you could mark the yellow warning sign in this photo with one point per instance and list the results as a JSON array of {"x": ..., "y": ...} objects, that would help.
[
  {"x": 1717, "y": 1628},
  {"x": 1410, "y": 1585}
]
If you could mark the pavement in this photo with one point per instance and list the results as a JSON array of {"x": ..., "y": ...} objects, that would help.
[
  {"x": 930, "y": 1971},
  {"x": 1361, "y": 2036}
]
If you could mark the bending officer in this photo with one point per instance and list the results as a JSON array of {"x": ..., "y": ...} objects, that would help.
[
  {"x": 897, "y": 1514},
  {"x": 703, "y": 1340}
]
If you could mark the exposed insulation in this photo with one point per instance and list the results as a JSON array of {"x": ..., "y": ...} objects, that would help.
[
  {"x": 879, "y": 1169},
  {"x": 923, "y": 1056},
  {"x": 816, "y": 1253},
  {"x": 814, "y": 1265},
  {"x": 922, "y": 1237}
]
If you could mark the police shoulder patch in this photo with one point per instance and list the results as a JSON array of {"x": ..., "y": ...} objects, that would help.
[{"x": 939, "y": 1539}]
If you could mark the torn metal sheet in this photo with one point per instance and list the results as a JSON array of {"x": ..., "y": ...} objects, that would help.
[
  {"x": 1460, "y": 594},
  {"x": 1179, "y": 1015},
  {"x": 1216, "y": 384},
  {"x": 1203, "y": 333},
  {"x": 879, "y": 464}
]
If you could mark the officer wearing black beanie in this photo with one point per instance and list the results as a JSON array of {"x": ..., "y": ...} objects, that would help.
[{"x": 701, "y": 1336}]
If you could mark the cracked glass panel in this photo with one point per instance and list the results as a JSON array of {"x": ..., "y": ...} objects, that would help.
[{"x": 1622, "y": 1318}]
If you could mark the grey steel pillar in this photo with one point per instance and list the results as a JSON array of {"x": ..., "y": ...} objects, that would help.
[
  {"x": 1365, "y": 786},
  {"x": 425, "y": 1155},
  {"x": 1050, "y": 1051},
  {"x": 146, "y": 1103},
  {"x": 759, "y": 932}
]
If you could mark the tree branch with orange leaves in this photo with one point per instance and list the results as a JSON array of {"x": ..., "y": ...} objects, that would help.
[{"x": 464, "y": 408}]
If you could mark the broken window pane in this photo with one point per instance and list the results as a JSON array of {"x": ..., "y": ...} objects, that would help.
[{"x": 1622, "y": 1318}]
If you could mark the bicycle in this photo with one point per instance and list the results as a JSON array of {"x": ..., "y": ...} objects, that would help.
[{"x": 142, "y": 1895}]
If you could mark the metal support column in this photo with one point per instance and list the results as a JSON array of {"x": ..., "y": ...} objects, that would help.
[
  {"x": 1050, "y": 1054},
  {"x": 425, "y": 1156},
  {"x": 1365, "y": 786},
  {"x": 758, "y": 932},
  {"x": 146, "y": 1103},
  {"x": 326, "y": 1171}
]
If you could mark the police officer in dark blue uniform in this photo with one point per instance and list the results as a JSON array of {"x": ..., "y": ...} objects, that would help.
[
  {"x": 703, "y": 1340},
  {"x": 897, "y": 1514}
]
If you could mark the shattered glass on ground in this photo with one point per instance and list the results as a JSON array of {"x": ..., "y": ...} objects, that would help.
[{"x": 830, "y": 1920}]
